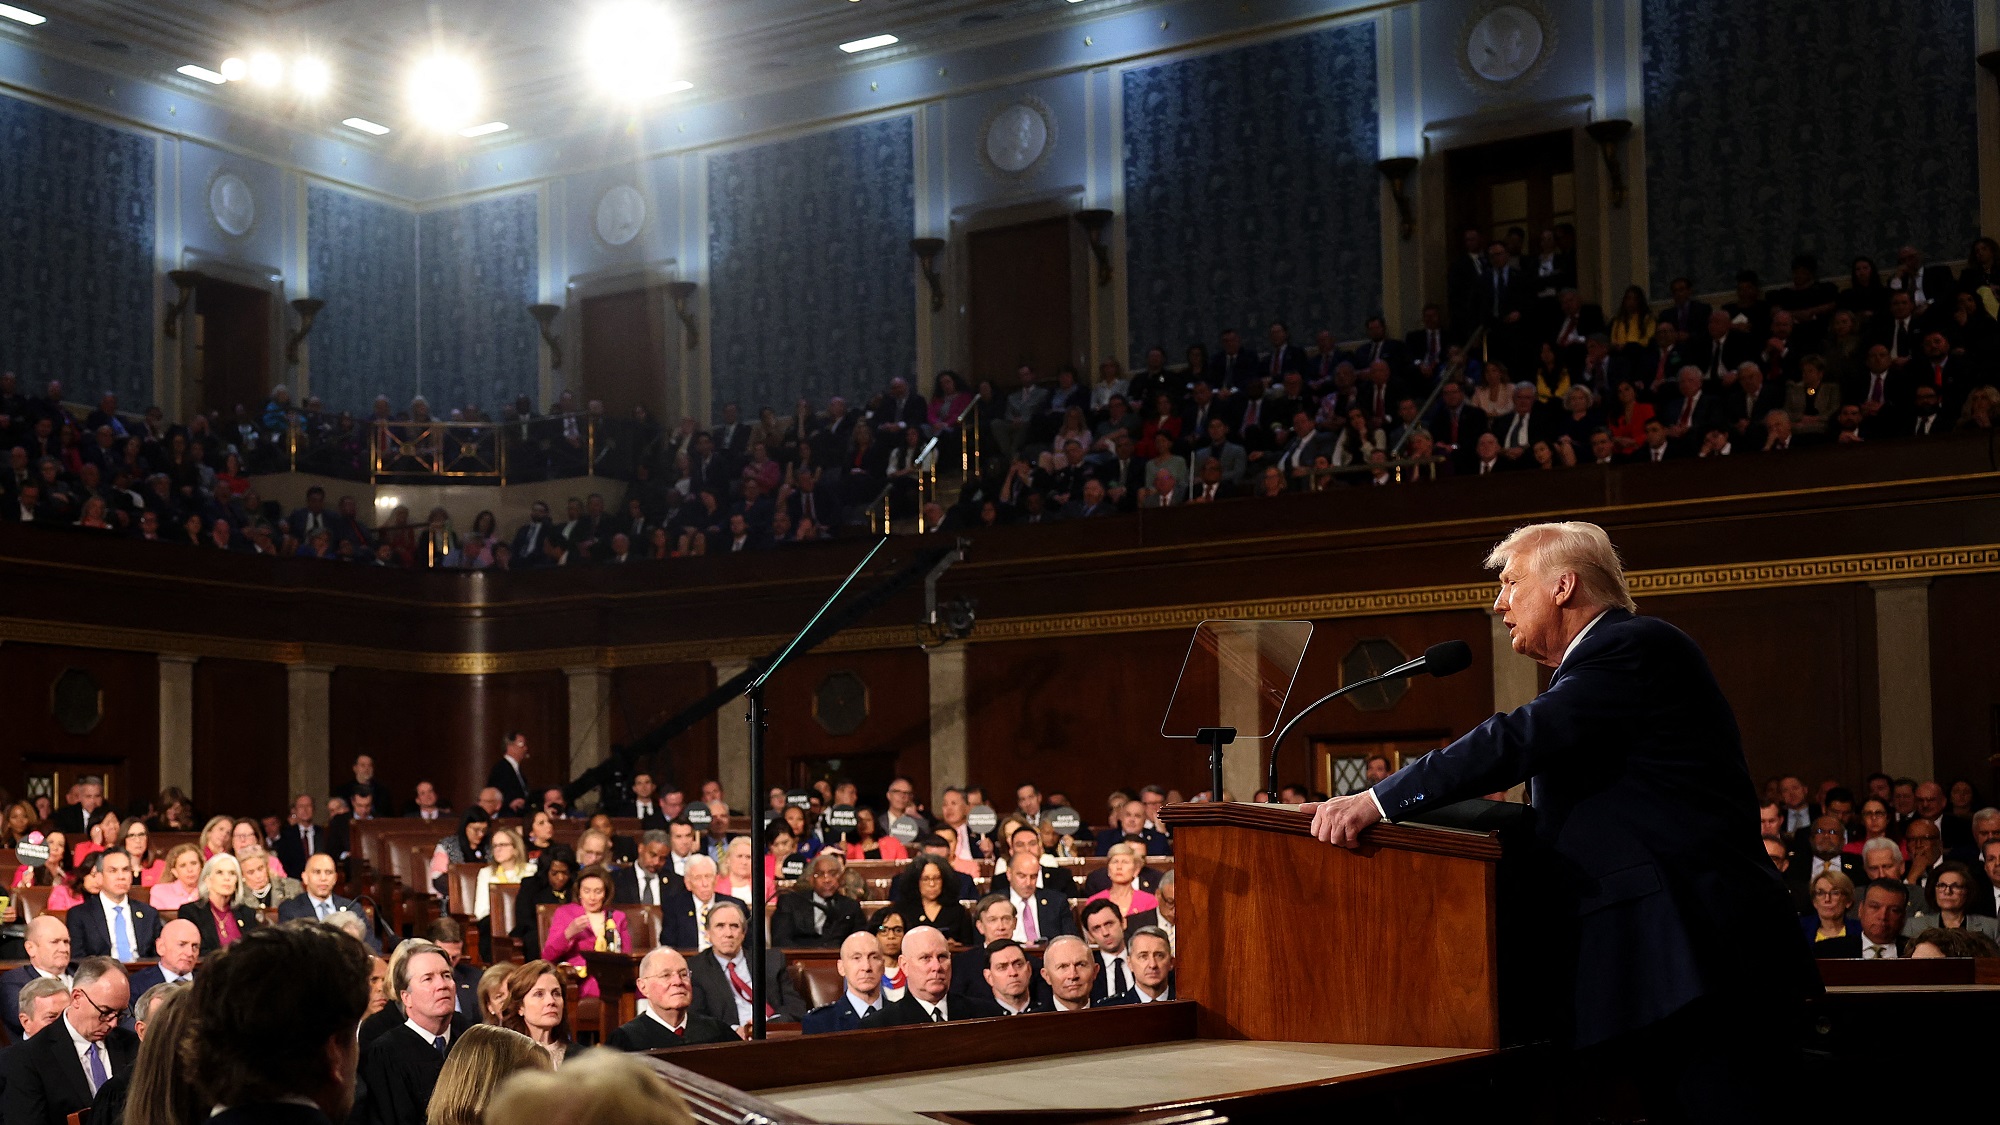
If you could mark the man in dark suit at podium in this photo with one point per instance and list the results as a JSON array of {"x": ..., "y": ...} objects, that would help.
[{"x": 1686, "y": 959}]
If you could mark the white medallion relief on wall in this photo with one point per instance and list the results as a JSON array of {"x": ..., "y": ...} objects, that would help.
[
  {"x": 621, "y": 215},
  {"x": 231, "y": 204},
  {"x": 1016, "y": 138},
  {"x": 1505, "y": 42}
]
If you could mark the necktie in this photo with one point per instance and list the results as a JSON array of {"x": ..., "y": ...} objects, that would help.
[
  {"x": 1687, "y": 412},
  {"x": 1875, "y": 951},
  {"x": 679, "y": 1032},
  {"x": 1028, "y": 922},
  {"x": 321, "y": 909},
  {"x": 937, "y": 1014},
  {"x": 98, "y": 1075},
  {"x": 1937, "y": 374},
  {"x": 443, "y": 1049},
  {"x": 742, "y": 987},
  {"x": 121, "y": 939},
  {"x": 648, "y": 892},
  {"x": 1875, "y": 387},
  {"x": 1117, "y": 976}
]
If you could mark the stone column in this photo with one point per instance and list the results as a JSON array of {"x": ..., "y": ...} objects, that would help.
[
  {"x": 308, "y": 723},
  {"x": 1903, "y": 675},
  {"x": 589, "y": 716},
  {"x": 732, "y": 743},
  {"x": 177, "y": 721},
  {"x": 1516, "y": 680},
  {"x": 949, "y": 760}
]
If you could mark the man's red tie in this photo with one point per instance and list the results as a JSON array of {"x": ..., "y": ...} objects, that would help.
[
  {"x": 1687, "y": 413},
  {"x": 742, "y": 987},
  {"x": 1937, "y": 374}
]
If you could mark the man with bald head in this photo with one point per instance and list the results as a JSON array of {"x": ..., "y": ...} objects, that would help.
[
  {"x": 180, "y": 949},
  {"x": 48, "y": 959},
  {"x": 1683, "y": 961},
  {"x": 861, "y": 964},
  {"x": 666, "y": 989},
  {"x": 926, "y": 966},
  {"x": 1070, "y": 972}
]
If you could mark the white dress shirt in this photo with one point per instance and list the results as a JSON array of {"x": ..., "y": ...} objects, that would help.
[
  {"x": 649, "y": 886},
  {"x": 428, "y": 1037},
  {"x": 111, "y": 923},
  {"x": 83, "y": 1047},
  {"x": 680, "y": 864},
  {"x": 742, "y": 963},
  {"x": 1871, "y": 951},
  {"x": 935, "y": 1012},
  {"x": 1116, "y": 970},
  {"x": 1023, "y": 909},
  {"x": 662, "y": 1020}
]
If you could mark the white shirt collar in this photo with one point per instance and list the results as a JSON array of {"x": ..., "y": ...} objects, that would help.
[
  {"x": 427, "y": 1036},
  {"x": 1062, "y": 1005},
  {"x": 662, "y": 1020},
  {"x": 933, "y": 1011},
  {"x": 1578, "y": 639},
  {"x": 862, "y": 1007},
  {"x": 1029, "y": 1003}
]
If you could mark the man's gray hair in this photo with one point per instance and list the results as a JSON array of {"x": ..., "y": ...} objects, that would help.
[
  {"x": 1167, "y": 880},
  {"x": 1880, "y": 844},
  {"x": 707, "y": 864},
  {"x": 1151, "y": 932},
  {"x": 1582, "y": 549},
  {"x": 655, "y": 836},
  {"x": 1985, "y": 814},
  {"x": 1524, "y": 385},
  {"x": 349, "y": 923},
  {"x": 152, "y": 998},
  {"x": 38, "y": 989},
  {"x": 94, "y": 969}
]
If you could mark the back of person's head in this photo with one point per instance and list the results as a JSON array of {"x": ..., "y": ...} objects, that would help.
[
  {"x": 160, "y": 1093},
  {"x": 265, "y": 1011},
  {"x": 481, "y": 1059},
  {"x": 600, "y": 1088}
]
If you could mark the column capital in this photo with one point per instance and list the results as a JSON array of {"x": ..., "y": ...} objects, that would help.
[
  {"x": 1901, "y": 584},
  {"x": 178, "y": 658}
]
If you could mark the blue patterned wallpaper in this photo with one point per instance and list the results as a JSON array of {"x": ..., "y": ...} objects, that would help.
[
  {"x": 1775, "y": 127},
  {"x": 812, "y": 291},
  {"x": 1251, "y": 193},
  {"x": 364, "y": 266},
  {"x": 76, "y": 254},
  {"x": 478, "y": 266}
]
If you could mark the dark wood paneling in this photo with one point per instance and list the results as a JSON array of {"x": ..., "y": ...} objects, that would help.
[
  {"x": 625, "y": 353},
  {"x": 447, "y": 730},
  {"x": 1965, "y": 681},
  {"x": 1798, "y": 668},
  {"x": 1020, "y": 279},
  {"x": 235, "y": 345},
  {"x": 240, "y": 737},
  {"x": 645, "y": 696},
  {"x": 898, "y": 722},
  {"x": 125, "y": 743}
]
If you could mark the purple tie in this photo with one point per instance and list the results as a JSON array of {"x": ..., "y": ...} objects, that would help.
[{"x": 98, "y": 1076}]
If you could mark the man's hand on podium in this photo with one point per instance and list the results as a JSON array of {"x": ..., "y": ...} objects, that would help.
[{"x": 1340, "y": 820}]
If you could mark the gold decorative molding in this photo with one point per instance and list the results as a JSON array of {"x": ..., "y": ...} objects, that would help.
[{"x": 1670, "y": 582}]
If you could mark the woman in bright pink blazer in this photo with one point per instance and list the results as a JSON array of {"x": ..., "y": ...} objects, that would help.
[{"x": 586, "y": 924}]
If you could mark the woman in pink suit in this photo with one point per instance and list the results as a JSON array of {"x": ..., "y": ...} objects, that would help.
[{"x": 586, "y": 924}]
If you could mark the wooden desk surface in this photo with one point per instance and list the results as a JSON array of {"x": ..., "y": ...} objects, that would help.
[{"x": 1120, "y": 1078}]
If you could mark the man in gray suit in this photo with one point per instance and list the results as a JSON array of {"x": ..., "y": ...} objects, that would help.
[{"x": 1234, "y": 461}]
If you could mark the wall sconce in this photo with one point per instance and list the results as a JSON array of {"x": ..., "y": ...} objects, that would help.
[
  {"x": 545, "y": 316},
  {"x": 185, "y": 281},
  {"x": 1095, "y": 223},
  {"x": 682, "y": 292},
  {"x": 1397, "y": 171},
  {"x": 307, "y": 308},
  {"x": 1608, "y": 134},
  {"x": 927, "y": 250}
]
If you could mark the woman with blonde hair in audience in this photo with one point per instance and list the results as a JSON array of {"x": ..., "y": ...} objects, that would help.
[
  {"x": 92, "y": 517},
  {"x": 605, "y": 1088},
  {"x": 1495, "y": 395},
  {"x": 736, "y": 863},
  {"x": 222, "y": 923},
  {"x": 492, "y": 992},
  {"x": 508, "y": 863},
  {"x": 137, "y": 840},
  {"x": 1832, "y": 897},
  {"x": 85, "y": 879},
  {"x": 589, "y": 923},
  {"x": 482, "y": 1058},
  {"x": 932, "y": 904},
  {"x": 866, "y": 843},
  {"x": 182, "y": 882},
  {"x": 536, "y": 1008},
  {"x": 19, "y": 821},
  {"x": 1982, "y": 409},
  {"x": 52, "y": 871},
  {"x": 216, "y": 836},
  {"x": 160, "y": 1091},
  {"x": 261, "y": 890},
  {"x": 1122, "y": 867}
]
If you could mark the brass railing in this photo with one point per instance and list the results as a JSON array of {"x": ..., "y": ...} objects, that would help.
[
  {"x": 967, "y": 426},
  {"x": 469, "y": 452}
]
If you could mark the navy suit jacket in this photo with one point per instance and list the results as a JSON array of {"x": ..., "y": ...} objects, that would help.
[
  {"x": 11, "y": 983},
  {"x": 837, "y": 1016},
  {"x": 1643, "y": 798},
  {"x": 91, "y": 937}
]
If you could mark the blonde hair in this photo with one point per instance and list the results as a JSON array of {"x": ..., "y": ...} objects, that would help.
[
  {"x": 483, "y": 1057},
  {"x": 1581, "y": 549},
  {"x": 1838, "y": 880},
  {"x": 494, "y": 974},
  {"x": 227, "y": 822},
  {"x": 512, "y": 872},
  {"x": 174, "y": 858},
  {"x": 601, "y": 1088}
]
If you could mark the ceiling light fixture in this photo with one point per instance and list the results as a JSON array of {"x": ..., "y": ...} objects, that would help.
[
  {"x": 266, "y": 69},
  {"x": 444, "y": 92},
  {"x": 630, "y": 48},
  {"x": 235, "y": 69},
  {"x": 311, "y": 77},
  {"x": 23, "y": 15},
  {"x": 484, "y": 130},
  {"x": 203, "y": 73},
  {"x": 366, "y": 126},
  {"x": 868, "y": 44}
]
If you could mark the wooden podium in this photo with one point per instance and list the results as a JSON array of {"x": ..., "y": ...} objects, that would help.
[{"x": 1282, "y": 938}]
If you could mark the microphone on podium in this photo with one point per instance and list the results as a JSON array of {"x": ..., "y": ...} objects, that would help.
[{"x": 1442, "y": 659}]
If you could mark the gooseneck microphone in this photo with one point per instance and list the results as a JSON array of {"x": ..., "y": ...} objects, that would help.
[{"x": 1442, "y": 659}]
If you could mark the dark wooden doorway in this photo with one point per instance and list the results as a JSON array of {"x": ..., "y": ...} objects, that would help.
[
  {"x": 625, "y": 342},
  {"x": 1020, "y": 300},
  {"x": 1528, "y": 183},
  {"x": 233, "y": 345}
]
